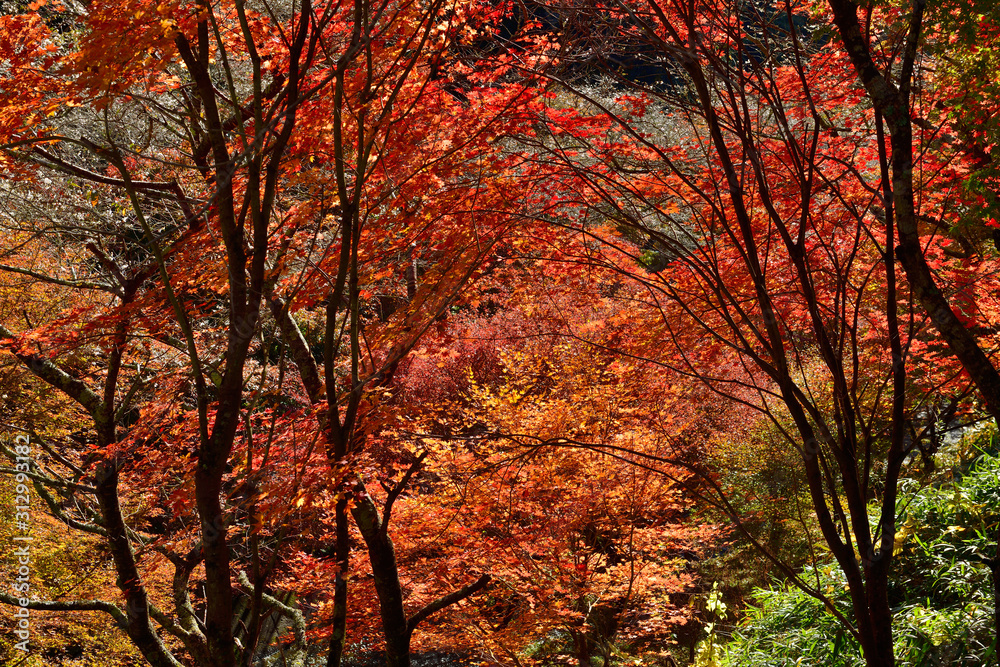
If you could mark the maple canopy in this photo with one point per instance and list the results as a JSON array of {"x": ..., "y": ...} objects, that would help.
[{"x": 396, "y": 325}]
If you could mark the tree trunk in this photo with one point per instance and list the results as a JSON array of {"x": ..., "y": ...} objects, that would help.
[
  {"x": 880, "y": 653},
  {"x": 338, "y": 635},
  {"x": 581, "y": 646},
  {"x": 893, "y": 104},
  {"x": 382, "y": 556},
  {"x": 139, "y": 627}
]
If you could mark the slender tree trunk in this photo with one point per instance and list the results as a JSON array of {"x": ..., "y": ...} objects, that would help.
[
  {"x": 139, "y": 627},
  {"x": 872, "y": 615},
  {"x": 382, "y": 556},
  {"x": 338, "y": 624},
  {"x": 893, "y": 104}
]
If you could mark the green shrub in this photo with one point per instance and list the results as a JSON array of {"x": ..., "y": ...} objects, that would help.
[{"x": 941, "y": 592}]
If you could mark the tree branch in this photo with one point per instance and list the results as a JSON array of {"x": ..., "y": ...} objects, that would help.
[
  {"x": 398, "y": 489},
  {"x": 69, "y": 605},
  {"x": 171, "y": 187},
  {"x": 80, "y": 284},
  {"x": 58, "y": 378},
  {"x": 447, "y": 601}
]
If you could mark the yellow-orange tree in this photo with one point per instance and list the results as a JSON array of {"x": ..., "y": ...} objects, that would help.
[{"x": 535, "y": 444}]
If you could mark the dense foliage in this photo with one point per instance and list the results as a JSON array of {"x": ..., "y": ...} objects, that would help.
[{"x": 509, "y": 333}]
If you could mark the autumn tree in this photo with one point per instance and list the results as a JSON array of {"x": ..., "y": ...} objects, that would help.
[
  {"x": 890, "y": 77},
  {"x": 166, "y": 225},
  {"x": 591, "y": 552},
  {"x": 749, "y": 190},
  {"x": 207, "y": 176},
  {"x": 434, "y": 229}
]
